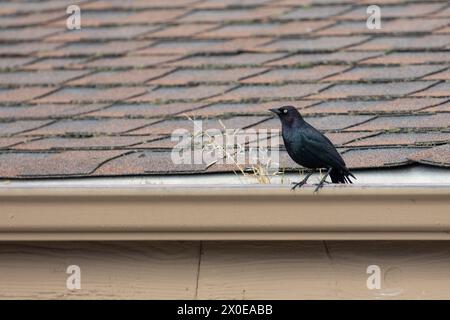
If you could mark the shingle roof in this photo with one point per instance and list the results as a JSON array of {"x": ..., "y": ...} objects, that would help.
[{"x": 103, "y": 100}]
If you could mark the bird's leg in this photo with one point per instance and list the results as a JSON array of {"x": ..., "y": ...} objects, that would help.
[
  {"x": 320, "y": 185},
  {"x": 301, "y": 183},
  {"x": 325, "y": 180}
]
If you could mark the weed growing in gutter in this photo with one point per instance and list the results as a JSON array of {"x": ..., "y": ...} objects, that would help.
[{"x": 262, "y": 170}]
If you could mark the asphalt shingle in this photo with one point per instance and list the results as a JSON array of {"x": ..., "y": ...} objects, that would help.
[
  {"x": 104, "y": 100},
  {"x": 437, "y": 156},
  {"x": 46, "y": 164}
]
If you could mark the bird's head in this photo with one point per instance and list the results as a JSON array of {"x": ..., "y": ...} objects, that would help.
[{"x": 287, "y": 114}]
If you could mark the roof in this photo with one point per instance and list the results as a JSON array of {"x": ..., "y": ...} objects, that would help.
[{"x": 103, "y": 100}]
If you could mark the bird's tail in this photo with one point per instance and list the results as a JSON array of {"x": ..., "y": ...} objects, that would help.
[{"x": 341, "y": 175}]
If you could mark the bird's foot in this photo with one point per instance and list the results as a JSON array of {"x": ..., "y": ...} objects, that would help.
[
  {"x": 298, "y": 184},
  {"x": 319, "y": 186},
  {"x": 322, "y": 181},
  {"x": 301, "y": 183}
]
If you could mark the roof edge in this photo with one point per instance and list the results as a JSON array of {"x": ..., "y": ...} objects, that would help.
[{"x": 406, "y": 175}]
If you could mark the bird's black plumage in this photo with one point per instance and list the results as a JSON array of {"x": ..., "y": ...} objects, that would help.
[{"x": 309, "y": 147}]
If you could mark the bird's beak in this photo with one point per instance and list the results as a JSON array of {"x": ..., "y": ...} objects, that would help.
[{"x": 276, "y": 111}]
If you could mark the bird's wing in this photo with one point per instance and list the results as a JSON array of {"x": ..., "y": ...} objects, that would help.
[{"x": 322, "y": 148}]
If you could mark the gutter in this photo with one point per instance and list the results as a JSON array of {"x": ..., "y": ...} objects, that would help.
[
  {"x": 394, "y": 176},
  {"x": 231, "y": 212}
]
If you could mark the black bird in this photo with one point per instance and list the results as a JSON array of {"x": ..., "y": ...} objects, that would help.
[{"x": 310, "y": 148}]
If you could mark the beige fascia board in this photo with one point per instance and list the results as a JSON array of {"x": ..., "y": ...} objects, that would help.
[{"x": 225, "y": 213}]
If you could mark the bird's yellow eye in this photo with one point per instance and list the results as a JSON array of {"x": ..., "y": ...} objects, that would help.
[{"x": 285, "y": 111}]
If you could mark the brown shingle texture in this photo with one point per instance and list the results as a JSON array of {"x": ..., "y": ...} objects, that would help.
[{"x": 104, "y": 100}]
